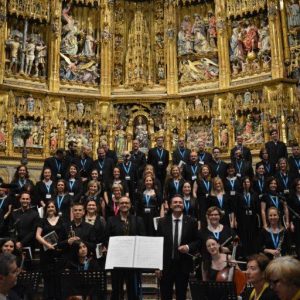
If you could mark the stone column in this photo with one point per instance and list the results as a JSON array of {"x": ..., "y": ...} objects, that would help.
[
  {"x": 54, "y": 45},
  {"x": 106, "y": 19},
  {"x": 171, "y": 51}
]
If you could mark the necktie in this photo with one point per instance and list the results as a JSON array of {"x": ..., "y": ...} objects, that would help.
[{"x": 175, "y": 242}]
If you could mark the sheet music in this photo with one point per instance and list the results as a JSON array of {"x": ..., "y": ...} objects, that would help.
[
  {"x": 149, "y": 252},
  {"x": 120, "y": 252},
  {"x": 134, "y": 252}
]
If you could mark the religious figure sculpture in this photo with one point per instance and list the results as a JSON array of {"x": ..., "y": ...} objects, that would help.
[
  {"x": 29, "y": 55},
  {"x": 14, "y": 44},
  {"x": 293, "y": 13},
  {"x": 141, "y": 133}
]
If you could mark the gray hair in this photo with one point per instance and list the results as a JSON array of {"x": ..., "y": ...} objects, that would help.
[{"x": 6, "y": 260}]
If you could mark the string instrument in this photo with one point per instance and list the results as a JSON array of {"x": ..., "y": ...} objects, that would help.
[
  {"x": 232, "y": 274},
  {"x": 281, "y": 233}
]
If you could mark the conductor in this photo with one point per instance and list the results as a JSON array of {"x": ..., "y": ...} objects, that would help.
[{"x": 180, "y": 239}]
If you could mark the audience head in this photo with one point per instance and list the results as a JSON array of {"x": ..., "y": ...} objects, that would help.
[
  {"x": 93, "y": 187},
  {"x": 263, "y": 154},
  {"x": 176, "y": 204},
  {"x": 8, "y": 245},
  {"x": 124, "y": 205},
  {"x": 78, "y": 211},
  {"x": 46, "y": 174},
  {"x": 95, "y": 174},
  {"x": 101, "y": 152},
  {"x": 8, "y": 272},
  {"x": 61, "y": 186},
  {"x": 25, "y": 200},
  {"x": 283, "y": 274},
  {"x": 135, "y": 145},
  {"x": 260, "y": 169},
  {"x": 79, "y": 251},
  {"x": 50, "y": 209},
  {"x": 272, "y": 184},
  {"x": 295, "y": 150},
  {"x": 273, "y": 216},
  {"x": 213, "y": 215},
  {"x": 274, "y": 135},
  {"x": 256, "y": 267},
  {"x": 21, "y": 172}
]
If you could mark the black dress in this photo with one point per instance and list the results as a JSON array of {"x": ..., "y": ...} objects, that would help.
[
  {"x": 43, "y": 192},
  {"x": 191, "y": 207},
  {"x": 63, "y": 205},
  {"x": 203, "y": 191},
  {"x": 172, "y": 188},
  {"x": 294, "y": 203},
  {"x": 269, "y": 240},
  {"x": 148, "y": 207},
  {"x": 247, "y": 209},
  {"x": 225, "y": 204},
  {"x": 51, "y": 261},
  {"x": 5, "y": 202}
]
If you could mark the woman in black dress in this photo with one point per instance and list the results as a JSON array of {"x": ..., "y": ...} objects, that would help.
[
  {"x": 201, "y": 191},
  {"x": 173, "y": 184},
  {"x": 274, "y": 239},
  {"x": 294, "y": 203},
  {"x": 94, "y": 192},
  {"x": 247, "y": 209},
  {"x": 222, "y": 233},
  {"x": 149, "y": 204},
  {"x": 214, "y": 260},
  {"x": 44, "y": 189},
  {"x": 219, "y": 198},
  {"x": 116, "y": 180},
  {"x": 189, "y": 202},
  {"x": 284, "y": 178},
  {"x": 273, "y": 198},
  {"x": 51, "y": 255},
  {"x": 74, "y": 184},
  {"x": 259, "y": 181},
  {"x": 20, "y": 183}
]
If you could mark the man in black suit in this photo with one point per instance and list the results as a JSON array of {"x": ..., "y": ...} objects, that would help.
[
  {"x": 203, "y": 156},
  {"x": 294, "y": 161},
  {"x": 57, "y": 164},
  {"x": 218, "y": 166},
  {"x": 158, "y": 157},
  {"x": 276, "y": 149},
  {"x": 84, "y": 163},
  {"x": 110, "y": 153},
  {"x": 104, "y": 165},
  {"x": 181, "y": 154},
  {"x": 124, "y": 224},
  {"x": 180, "y": 239},
  {"x": 243, "y": 167},
  {"x": 191, "y": 169},
  {"x": 245, "y": 150},
  {"x": 71, "y": 153},
  {"x": 138, "y": 158}
]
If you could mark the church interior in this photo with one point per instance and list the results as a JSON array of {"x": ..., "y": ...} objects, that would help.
[{"x": 111, "y": 71}]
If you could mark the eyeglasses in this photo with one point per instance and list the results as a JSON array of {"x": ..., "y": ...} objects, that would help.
[{"x": 273, "y": 283}]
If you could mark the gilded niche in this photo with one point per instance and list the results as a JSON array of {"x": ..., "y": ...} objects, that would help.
[
  {"x": 139, "y": 60},
  {"x": 197, "y": 45}
]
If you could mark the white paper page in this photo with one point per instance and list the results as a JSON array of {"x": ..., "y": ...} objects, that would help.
[
  {"x": 120, "y": 252},
  {"x": 149, "y": 252},
  {"x": 41, "y": 212}
]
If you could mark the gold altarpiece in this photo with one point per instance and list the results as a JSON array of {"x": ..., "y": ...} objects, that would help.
[{"x": 94, "y": 71}]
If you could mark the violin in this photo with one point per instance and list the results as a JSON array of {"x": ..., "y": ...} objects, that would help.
[{"x": 232, "y": 274}]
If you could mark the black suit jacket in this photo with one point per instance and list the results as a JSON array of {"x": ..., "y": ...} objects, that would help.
[
  {"x": 154, "y": 159},
  {"x": 245, "y": 151},
  {"x": 115, "y": 226},
  {"x": 276, "y": 151},
  {"x": 294, "y": 167},
  {"x": 106, "y": 172},
  {"x": 113, "y": 155},
  {"x": 177, "y": 156},
  {"x": 84, "y": 165},
  {"x": 139, "y": 159},
  {"x": 56, "y": 166},
  {"x": 189, "y": 236}
]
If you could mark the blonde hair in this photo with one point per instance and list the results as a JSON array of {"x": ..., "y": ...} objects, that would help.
[
  {"x": 286, "y": 268},
  {"x": 214, "y": 181}
]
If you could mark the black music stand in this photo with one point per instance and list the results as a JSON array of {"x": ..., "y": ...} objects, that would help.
[
  {"x": 83, "y": 283},
  {"x": 29, "y": 281},
  {"x": 208, "y": 290}
]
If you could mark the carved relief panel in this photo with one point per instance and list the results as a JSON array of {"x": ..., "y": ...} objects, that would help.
[
  {"x": 250, "y": 48},
  {"x": 80, "y": 46},
  {"x": 197, "y": 44}
]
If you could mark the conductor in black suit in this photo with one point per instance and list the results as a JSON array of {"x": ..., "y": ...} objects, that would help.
[
  {"x": 125, "y": 224},
  {"x": 158, "y": 157},
  {"x": 180, "y": 238}
]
